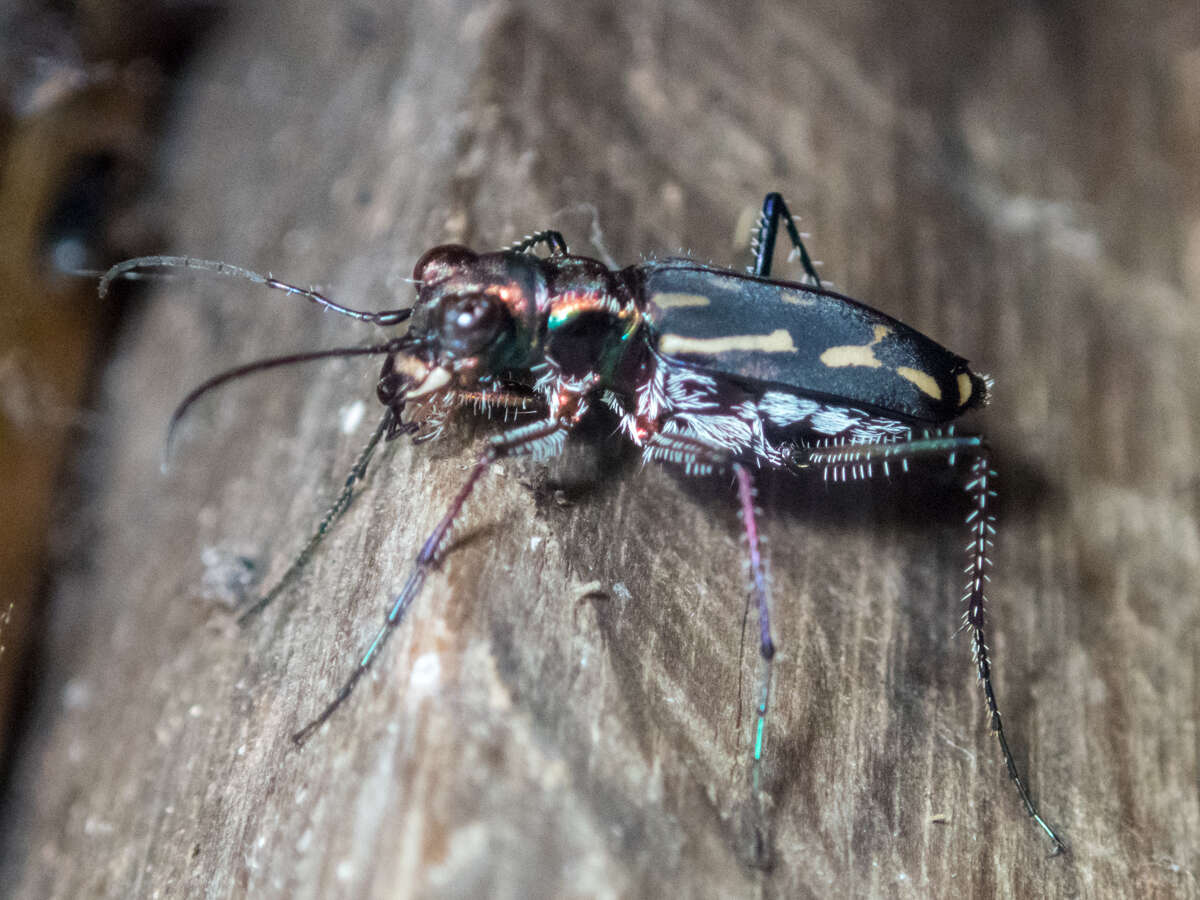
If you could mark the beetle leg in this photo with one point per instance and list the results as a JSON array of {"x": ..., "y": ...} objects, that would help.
[
  {"x": 746, "y": 496},
  {"x": 541, "y": 439},
  {"x": 848, "y": 461},
  {"x": 762, "y": 241},
  {"x": 552, "y": 239},
  {"x": 698, "y": 457},
  {"x": 331, "y": 515},
  {"x": 485, "y": 402}
]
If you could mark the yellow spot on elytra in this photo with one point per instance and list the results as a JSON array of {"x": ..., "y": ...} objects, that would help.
[
  {"x": 670, "y": 300},
  {"x": 965, "y": 387},
  {"x": 778, "y": 341},
  {"x": 856, "y": 354},
  {"x": 795, "y": 298},
  {"x": 923, "y": 380}
]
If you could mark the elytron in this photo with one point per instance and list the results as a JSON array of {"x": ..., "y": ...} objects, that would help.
[{"x": 704, "y": 368}]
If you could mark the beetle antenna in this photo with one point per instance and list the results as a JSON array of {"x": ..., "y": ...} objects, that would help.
[
  {"x": 129, "y": 266},
  {"x": 260, "y": 365}
]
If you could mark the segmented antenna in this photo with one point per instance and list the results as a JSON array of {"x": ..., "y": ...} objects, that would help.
[
  {"x": 259, "y": 365},
  {"x": 120, "y": 270}
]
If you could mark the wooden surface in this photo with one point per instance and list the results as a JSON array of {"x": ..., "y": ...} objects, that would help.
[
  {"x": 560, "y": 716},
  {"x": 67, "y": 142}
]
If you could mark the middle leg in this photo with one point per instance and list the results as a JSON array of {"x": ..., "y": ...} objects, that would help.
[{"x": 698, "y": 457}]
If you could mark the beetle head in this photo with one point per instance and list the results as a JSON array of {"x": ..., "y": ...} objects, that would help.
[{"x": 475, "y": 317}]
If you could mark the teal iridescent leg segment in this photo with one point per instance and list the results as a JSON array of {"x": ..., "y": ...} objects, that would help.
[
  {"x": 543, "y": 438},
  {"x": 758, "y": 582},
  {"x": 698, "y": 457}
]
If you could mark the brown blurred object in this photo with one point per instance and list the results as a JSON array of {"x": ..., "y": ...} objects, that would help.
[{"x": 74, "y": 135}]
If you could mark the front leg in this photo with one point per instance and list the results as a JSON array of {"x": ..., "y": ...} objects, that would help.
[
  {"x": 540, "y": 439},
  {"x": 385, "y": 427},
  {"x": 698, "y": 457},
  {"x": 486, "y": 402}
]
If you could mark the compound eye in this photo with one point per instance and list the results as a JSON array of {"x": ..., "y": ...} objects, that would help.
[
  {"x": 469, "y": 323},
  {"x": 441, "y": 262}
]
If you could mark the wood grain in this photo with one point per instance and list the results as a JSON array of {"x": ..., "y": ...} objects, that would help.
[{"x": 565, "y": 714}]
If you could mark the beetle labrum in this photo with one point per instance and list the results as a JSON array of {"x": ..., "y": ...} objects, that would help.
[{"x": 706, "y": 370}]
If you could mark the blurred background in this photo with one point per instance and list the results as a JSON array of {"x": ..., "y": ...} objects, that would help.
[{"x": 1018, "y": 180}]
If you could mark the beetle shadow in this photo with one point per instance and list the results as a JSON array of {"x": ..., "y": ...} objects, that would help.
[
  {"x": 921, "y": 515},
  {"x": 931, "y": 493},
  {"x": 594, "y": 463},
  {"x": 926, "y": 507}
]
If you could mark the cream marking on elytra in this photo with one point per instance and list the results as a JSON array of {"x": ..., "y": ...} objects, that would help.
[
  {"x": 856, "y": 354},
  {"x": 778, "y": 341},
  {"x": 965, "y": 388},
  {"x": 923, "y": 380},
  {"x": 795, "y": 298},
  {"x": 674, "y": 301}
]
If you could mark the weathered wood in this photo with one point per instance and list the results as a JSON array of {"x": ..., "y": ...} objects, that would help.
[{"x": 560, "y": 716}]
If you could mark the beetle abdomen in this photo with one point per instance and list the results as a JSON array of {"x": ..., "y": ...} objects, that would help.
[{"x": 813, "y": 341}]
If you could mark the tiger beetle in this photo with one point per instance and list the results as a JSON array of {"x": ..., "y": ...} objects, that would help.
[{"x": 706, "y": 369}]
